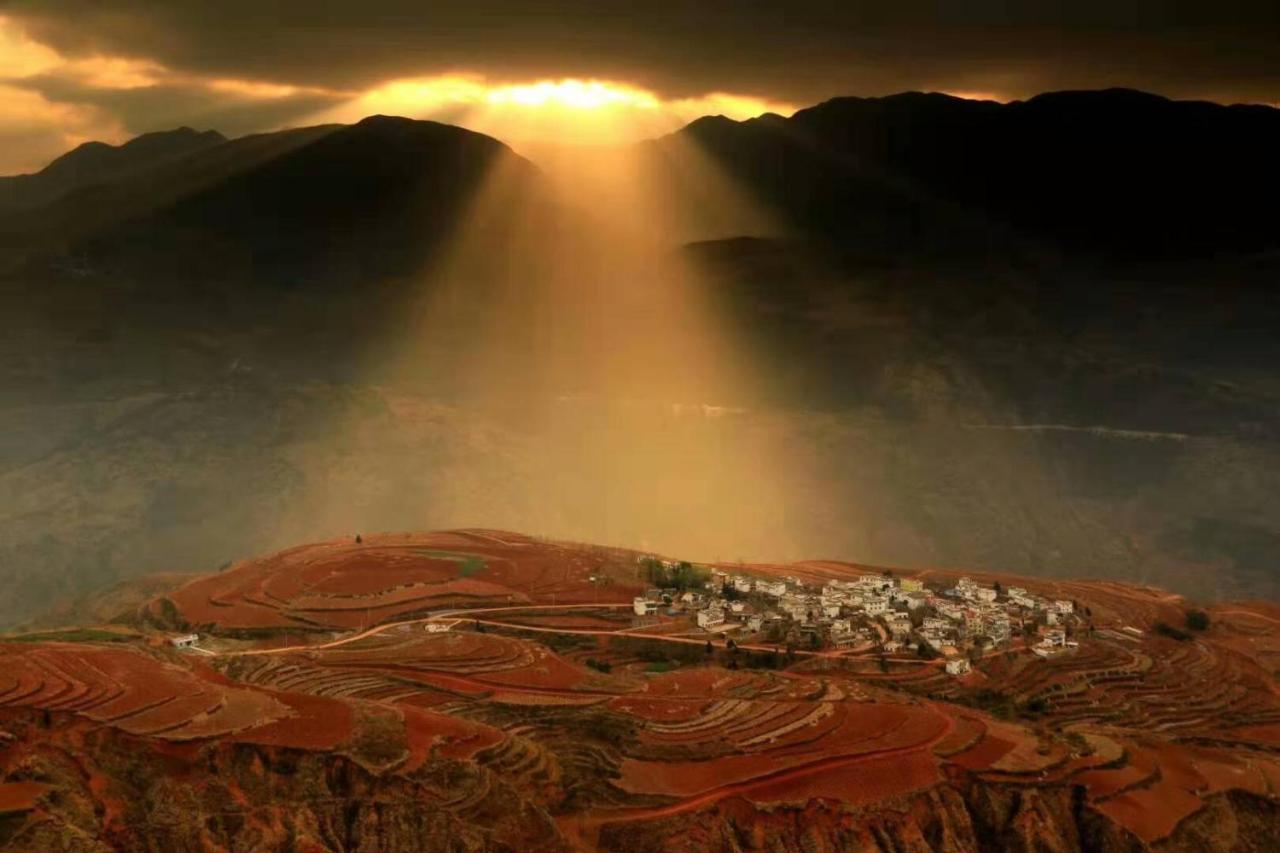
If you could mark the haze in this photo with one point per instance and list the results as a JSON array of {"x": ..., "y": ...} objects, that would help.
[{"x": 643, "y": 319}]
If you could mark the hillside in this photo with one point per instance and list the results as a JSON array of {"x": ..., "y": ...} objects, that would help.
[
  {"x": 1117, "y": 174},
  {"x": 95, "y": 164},
  {"x": 478, "y": 688}
]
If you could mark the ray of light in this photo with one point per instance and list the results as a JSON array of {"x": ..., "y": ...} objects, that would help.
[{"x": 565, "y": 308}]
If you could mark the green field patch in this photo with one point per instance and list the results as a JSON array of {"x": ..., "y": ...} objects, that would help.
[
  {"x": 469, "y": 564},
  {"x": 72, "y": 635}
]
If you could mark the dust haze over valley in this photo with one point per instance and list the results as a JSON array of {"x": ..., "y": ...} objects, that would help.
[{"x": 765, "y": 340}]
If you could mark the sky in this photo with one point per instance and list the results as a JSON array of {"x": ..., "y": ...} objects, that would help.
[{"x": 74, "y": 70}]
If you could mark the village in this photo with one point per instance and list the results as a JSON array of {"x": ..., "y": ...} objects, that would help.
[{"x": 878, "y": 613}]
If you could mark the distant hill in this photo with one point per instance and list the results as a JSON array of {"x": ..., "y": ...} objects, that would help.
[
  {"x": 359, "y": 201},
  {"x": 96, "y": 163},
  {"x": 1118, "y": 173}
]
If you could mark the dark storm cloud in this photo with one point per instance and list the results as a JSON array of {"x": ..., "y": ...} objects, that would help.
[
  {"x": 165, "y": 106},
  {"x": 800, "y": 50}
]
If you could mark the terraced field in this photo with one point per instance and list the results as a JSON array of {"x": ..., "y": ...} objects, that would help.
[
  {"x": 399, "y": 661},
  {"x": 347, "y": 585}
]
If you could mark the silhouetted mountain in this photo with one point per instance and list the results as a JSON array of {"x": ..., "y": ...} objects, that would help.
[
  {"x": 1123, "y": 173},
  {"x": 339, "y": 202},
  {"x": 97, "y": 162}
]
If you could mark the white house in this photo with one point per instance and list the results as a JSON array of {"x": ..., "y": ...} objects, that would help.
[
  {"x": 958, "y": 666},
  {"x": 437, "y": 627},
  {"x": 755, "y": 622},
  {"x": 644, "y": 606},
  {"x": 1064, "y": 607},
  {"x": 710, "y": 618},
  {"x": 916, "y": 600},
  {"x": 1021, "y": 598},
  {"x": 875, "y": 606},
  {"x": 998, "y": 628},
  {"x": 984, "y": 593},
  {"x": 742, "y": 584},
  {"x": 1055, "y": 637},
  {"x": 777, "y": 589},
  {"x": 184, "y": 641}
]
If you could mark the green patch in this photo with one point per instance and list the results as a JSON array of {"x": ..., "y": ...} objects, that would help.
[
  {"x": 73, "y": 635},
  {"x": 662, "y": 666},
  {"x": 470, "y": 564}
]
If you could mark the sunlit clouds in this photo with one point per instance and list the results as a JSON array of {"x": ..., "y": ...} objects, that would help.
[
  {"x": 53, "y": 101},
  {"x": 561, "y": 110}
]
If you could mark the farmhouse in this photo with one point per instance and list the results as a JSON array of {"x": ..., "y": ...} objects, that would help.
[
  {"x": 777, "y": 589},
  {"x": 710, "y": 618},
  {"x": 958, "y": 666},
  {"x": 644, "y": 606},
  {"x": 184, "y": 641}
]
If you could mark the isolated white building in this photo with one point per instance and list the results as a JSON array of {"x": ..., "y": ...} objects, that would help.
[
  {"x": 958, "y": 666},
  {"x": 184, "y": 641}
]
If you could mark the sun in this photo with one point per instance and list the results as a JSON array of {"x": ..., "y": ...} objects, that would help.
[
  {"x": 575, "y": 95},
  {"x": 568, "y": 109}
]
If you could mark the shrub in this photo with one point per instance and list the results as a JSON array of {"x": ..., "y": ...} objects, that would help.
[
  {"x": 1197, "y": 620},
  {"x": 599, "y": 665},
  {"x": 1172, "y": 632}
]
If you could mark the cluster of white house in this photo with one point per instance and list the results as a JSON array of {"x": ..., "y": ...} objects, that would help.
[{"x": 893, "y": 613}]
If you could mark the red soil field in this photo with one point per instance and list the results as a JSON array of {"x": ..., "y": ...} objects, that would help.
[
  {"x": 340, "y": 584},
  {"x": 828, "y": 728},
  {"x": 131, "y": 691},
  {"x": 984, "y": 753},
  {"x": 857, "y": 783},
  {"x": 864, "y": 729},
  {"x": 450, "y": 737},
  {"x": 20, "y": 796},
  {"x": 317, "y": 723},
  {"x": 1151, "y": 813}
]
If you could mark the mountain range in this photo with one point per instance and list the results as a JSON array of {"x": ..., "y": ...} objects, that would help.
[{"x": 1037, "y": 337}]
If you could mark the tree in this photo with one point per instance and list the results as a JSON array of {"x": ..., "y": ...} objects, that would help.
[
  {"x": 996, "y": 586},
  {"x": 359, "y": 540},
  {"x": 1172, "y": 632},
  {"x": 1197, "y": 620},
  {"x": 709, "y": 648}
]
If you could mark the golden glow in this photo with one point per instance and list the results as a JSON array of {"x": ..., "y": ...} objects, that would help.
[
  {"x": 259, "y": 89},
  {"x": 20, "y": 56},
  {"x": 571, "y": 110},
  {"x": 977, "y": 96},
  {"x": 574, "y": 94}
]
